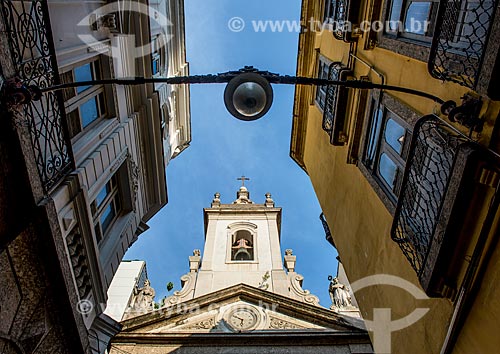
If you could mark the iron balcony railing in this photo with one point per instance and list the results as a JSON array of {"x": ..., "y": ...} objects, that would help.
[
  {"x": 335, "y": 104},
  {"x": 430, "y": 164},
  {"x": 343, "y": 17},
  {"x": 460, "y": 41},
  {"x": 28, "y": 31},
  {"x": 328, "y": 234},
  {"x": 339, "y": 18}
]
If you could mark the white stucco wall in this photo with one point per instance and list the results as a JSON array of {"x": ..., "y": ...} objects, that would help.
[{"x": 121, "y": 288}]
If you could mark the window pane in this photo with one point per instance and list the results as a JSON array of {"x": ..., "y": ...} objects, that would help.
[
  {"x": 321, "y": 90},
  {"x": 321, "y": 97},
  {"x": 324, "y": 71},
  {"x": 394, "y": 135},
  {"x": 83, "y": 73},
  {"x": 417, "y": 15},
  {"x": 155, "y": 66},
  {"x": 102, "y": 194},
  {"x": 376, "y": 125},
  {"x": 387, "y": 169},
  {"x": 88, "y": 112},
  {"x": 98, "y": 235},
  {"x": 395, "y": 15},
  {"x": 107, "y": 217}
]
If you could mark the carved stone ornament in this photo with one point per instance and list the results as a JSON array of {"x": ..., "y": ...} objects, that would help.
[
  {"x": 196, "y": 253},
  {"x": 186, "y": 293},
  {"x": 288, "y": 252},
  {"x": 78, "y": 257},
  {"x": 269, "y": 201},
  {"x": 303, "y": 295},
  {"x": 243, "y": 196},
  {"x": 204, "y": 324},
  {"x": 263, "y": 284},
  {"x": 108, "y": 21},
  {"x": 216, "y": 200},
  {"x": 276, "y": 323},
  {"x": 134, "y": 172}
]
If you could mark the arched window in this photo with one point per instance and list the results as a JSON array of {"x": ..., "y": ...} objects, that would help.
[{"x": 242, "y": 246}]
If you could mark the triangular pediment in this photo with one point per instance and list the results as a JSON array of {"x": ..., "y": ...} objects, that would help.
[{"x": 240, "y": 308}]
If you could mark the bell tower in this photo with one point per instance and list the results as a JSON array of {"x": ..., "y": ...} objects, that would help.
[{"x": 242, "y": 245}]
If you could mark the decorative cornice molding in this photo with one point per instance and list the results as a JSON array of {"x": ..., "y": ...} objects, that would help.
[{"x": 242, "y": 292}]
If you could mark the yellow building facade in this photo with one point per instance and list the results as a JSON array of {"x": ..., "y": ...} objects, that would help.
[{"x": 407, "y": 197}]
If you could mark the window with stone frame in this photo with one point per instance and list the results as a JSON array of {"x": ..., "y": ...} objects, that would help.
[
  {"x": 158, "y": 55},
  {"x": 411, "y": 19},
  {"x": 332, "y": 100},
  {"x": 155, "y": 64},
  {"x": 323, "y": 69},
  {"x": 242, "y": 246},
  {"x": 85, "y": 105},
  {"x": 343, "y": 18},
  {"x": 106, "y": 207},
  {"x": 387, "y": 143}
]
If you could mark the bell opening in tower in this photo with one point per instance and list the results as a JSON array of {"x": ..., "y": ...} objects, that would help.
[{"x": 242, "y": 246}]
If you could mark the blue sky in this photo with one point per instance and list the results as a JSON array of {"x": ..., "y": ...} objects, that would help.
[{"x": 224, "y": 148}]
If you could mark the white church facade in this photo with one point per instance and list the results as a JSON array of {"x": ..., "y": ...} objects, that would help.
[{"x": 241, "y": 296}]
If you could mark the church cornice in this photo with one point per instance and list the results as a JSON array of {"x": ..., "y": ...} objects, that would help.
[
  {"x": 232, "y": 208},
  {"x": 255, "y": 338},
  {"x": 242, "y": 292}
]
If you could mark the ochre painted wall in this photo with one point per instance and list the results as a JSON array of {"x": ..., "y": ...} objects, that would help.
[
  {"x": 360, "y": 225},
  {"x": 360, "y": 222}
]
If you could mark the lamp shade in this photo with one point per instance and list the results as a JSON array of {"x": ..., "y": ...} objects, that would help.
[{"x": 248, "y": 96}]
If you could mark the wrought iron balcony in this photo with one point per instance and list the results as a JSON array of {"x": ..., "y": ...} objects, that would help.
[
  {"x": 344, "y": 17},
  {"x": 26, "y": 25},
  {"x": 328, "y": 234},
  {"x": 465, "y": 45},
  {"x": 334, "y": 112},
  {"x": 438, "y": 202}
]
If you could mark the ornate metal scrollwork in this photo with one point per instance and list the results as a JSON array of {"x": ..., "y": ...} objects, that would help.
[
  {"x": 27, "y": 26},
  {"x": 461, "y": 39},
  {"x": 430, "y": 164}
]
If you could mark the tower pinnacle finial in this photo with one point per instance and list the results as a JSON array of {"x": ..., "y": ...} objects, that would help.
[{"x": 243, "y": 195}]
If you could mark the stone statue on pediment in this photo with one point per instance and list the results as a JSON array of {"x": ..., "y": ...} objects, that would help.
[
  {"x": 143, "y": 300},
  {"x": 339, "y": 294}
]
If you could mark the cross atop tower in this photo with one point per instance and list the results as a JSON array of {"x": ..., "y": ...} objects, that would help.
[{"x": 243, "y": 179}]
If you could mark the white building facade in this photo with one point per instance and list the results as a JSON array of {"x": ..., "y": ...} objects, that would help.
[
  {"x": 242, "y": 246},
  {"x": 94, "y": 156},
  {"x": 130, "y": 276},
  {"x": 241, "y": 297},
  {"x": 169, "y": 59}
]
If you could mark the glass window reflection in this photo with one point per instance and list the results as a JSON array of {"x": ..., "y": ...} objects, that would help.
[
  {"x": 395, "y": 135},
  {"x": 83, "y": 73},
  {"x": 387, "y": 169}
]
